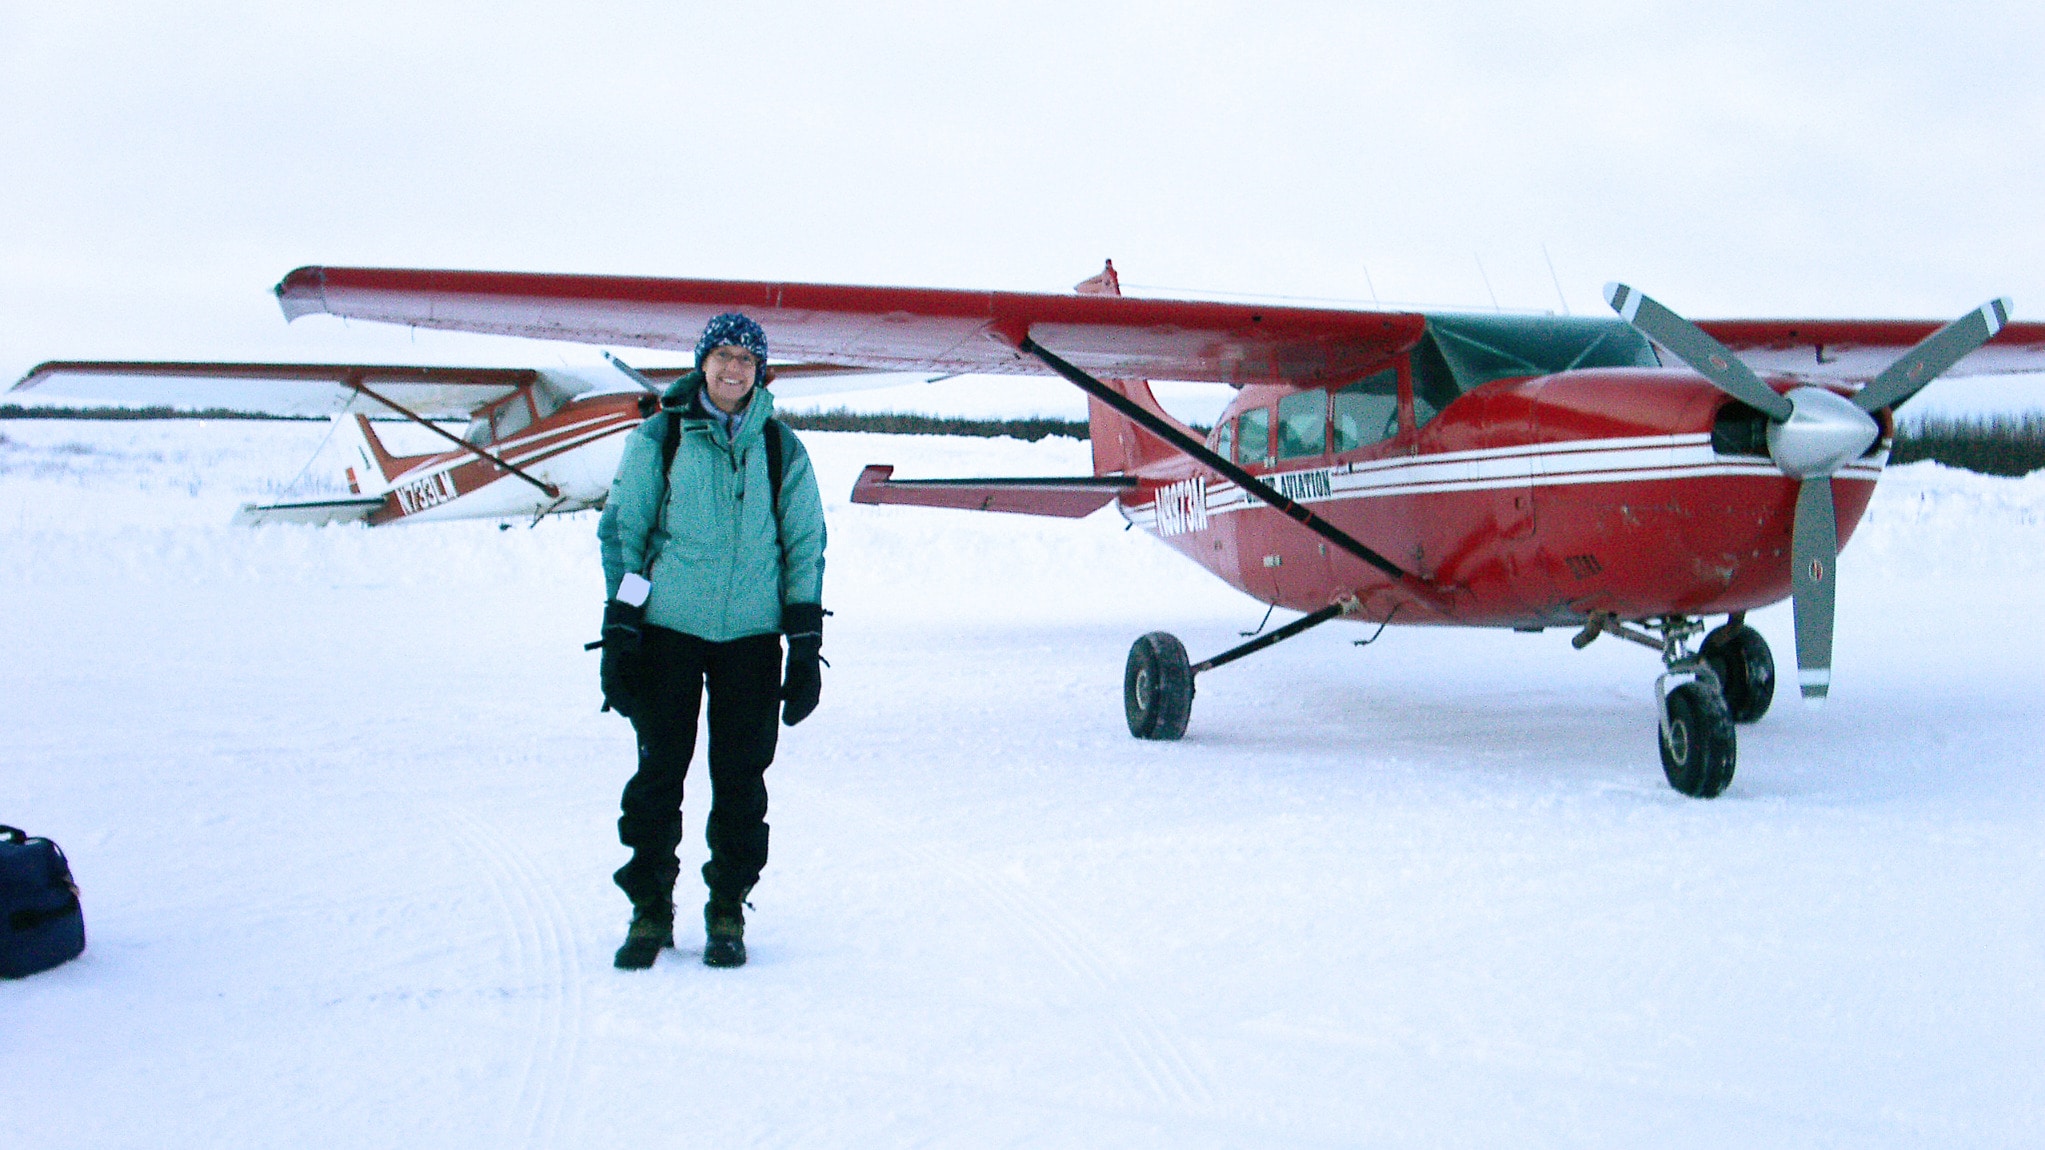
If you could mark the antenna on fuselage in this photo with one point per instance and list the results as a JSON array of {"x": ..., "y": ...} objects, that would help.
[
  {"x": 1556, "y": 278},
  {"x": 1487, "y": 283}
]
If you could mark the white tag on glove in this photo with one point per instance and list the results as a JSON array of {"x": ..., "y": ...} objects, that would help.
[{"x": 633, "y": 590}]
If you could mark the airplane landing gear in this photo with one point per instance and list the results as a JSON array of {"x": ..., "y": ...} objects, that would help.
[
  {"x": 1157, "y": 687},
  {"x": 1746, "y": 670},
  {"x": 1699, "y": 749},
  {"x": 1157, "y": 682},
  {"x": 1698, "y": 745}
]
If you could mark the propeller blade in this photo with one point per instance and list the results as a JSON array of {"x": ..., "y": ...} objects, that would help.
[
  {"x": 1708, "y": 357},
  {"x": 1931, "y": 357},
  {"x": 1814, "y": 551}
]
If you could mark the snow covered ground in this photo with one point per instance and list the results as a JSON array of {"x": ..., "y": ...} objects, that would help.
[{"x": 341, "y": 805}]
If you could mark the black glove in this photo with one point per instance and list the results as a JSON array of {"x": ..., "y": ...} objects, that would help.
[
  {"x": 621, "y": 640},
  {"x": 803, "y": 684}
]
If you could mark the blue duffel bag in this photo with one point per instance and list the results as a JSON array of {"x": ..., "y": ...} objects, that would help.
[{"x": 40, "y": 923}]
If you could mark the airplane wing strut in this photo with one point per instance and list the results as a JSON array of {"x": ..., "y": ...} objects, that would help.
[
  {"x": 1406, "y": 580},
  {"x": 355, "y": 382}
]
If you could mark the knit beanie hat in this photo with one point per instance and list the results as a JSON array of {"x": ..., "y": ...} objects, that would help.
[{"x": 732, "y": 330}]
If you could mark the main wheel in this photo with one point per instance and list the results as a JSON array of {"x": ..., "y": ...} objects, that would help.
[
  {"x": 1699, "y": 748},
  {"x": 1157, "y": 687},
  {"x": 1739, "y": 656}
]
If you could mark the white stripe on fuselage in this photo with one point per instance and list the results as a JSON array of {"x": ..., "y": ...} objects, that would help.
[
  {"x": 517, "y": 455},
  {"x": 489, "y": 500},
  {"x": 1632, "y": 459}
]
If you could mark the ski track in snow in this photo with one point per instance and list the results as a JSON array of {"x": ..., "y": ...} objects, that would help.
[
  {"x": 1164, "y": 1069},
  {"x": 342, "y": 810},
  {"x": 548, "y": 964}
]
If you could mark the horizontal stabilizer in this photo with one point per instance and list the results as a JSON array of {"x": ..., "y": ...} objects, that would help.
[
  {"x": 309, "y": 512},
  {"x": 1066, "y": 498}
]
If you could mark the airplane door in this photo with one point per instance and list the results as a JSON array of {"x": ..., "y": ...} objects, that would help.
[
  {"x": 1301, "y": 473},
  {"x": 1260, "y": 535}
]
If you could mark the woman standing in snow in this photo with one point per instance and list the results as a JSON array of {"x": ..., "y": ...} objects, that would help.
[{"x": 703, "y": 582}]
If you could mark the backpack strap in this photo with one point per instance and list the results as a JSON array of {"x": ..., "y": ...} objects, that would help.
[
  {"x": 670, "y": 439},
  {"x": 774, "y": 462}
]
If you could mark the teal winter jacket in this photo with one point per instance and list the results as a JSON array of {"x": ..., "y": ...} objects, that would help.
[{"x": 718, "y": 569}]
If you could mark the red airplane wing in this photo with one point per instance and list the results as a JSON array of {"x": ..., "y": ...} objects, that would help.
[
  {"x": 918, "y": 329},
  {"x": 276, "y": 388},
  {"x": 895, "y": 329},
  {"x": 1856, "y": 350}
]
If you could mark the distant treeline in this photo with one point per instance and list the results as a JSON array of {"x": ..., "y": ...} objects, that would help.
[
  {"x": 839, "y": 420},
  {"x": 1999, "y": 445},
  {"x": 895, "y": 424},
  {"x": 17, "y": 411}
]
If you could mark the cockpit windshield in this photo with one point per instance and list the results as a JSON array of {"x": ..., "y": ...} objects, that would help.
[{"x": 1460, "y": 353}]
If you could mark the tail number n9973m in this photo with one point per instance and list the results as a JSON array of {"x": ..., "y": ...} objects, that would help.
[{"x": 1182, "y": 507}]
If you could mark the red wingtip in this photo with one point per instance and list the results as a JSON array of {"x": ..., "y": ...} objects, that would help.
[{"x": 302, "y": 292}]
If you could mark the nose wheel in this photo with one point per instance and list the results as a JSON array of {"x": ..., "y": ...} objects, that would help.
[
  {"x": 1699, "y": 748},
  {"x": 1732, "y": 675},
  {"x": 1739, "y": 656}
]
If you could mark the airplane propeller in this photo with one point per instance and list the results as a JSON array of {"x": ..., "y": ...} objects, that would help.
[{"x": 1812, "y": 433}]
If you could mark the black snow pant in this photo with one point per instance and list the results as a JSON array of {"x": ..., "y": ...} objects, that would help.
[{"x": 744, "y": 680}]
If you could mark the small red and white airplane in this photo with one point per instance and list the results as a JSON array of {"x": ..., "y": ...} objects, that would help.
[
  {"x": 538, "y": 441},
  {"x": 1629, "y": 476}
]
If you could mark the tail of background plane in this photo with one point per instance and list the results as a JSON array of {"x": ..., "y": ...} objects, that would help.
[{"x": 370, "y": 468}]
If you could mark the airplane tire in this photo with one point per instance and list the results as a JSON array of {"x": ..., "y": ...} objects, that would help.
[
  {"x": 1700, "y": 748},
  {"x": 1739, "y": 656},
  {"x": 1157, "y": 687}
]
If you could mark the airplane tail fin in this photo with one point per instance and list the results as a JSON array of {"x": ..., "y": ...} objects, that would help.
[
  {"x": 1120, "y": 447},
  {"x": 370, "y": 468}
]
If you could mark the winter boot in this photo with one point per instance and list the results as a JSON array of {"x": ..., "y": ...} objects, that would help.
[
  {"x": 724, "y": 925},
  {"x": 653, "y": 927}
]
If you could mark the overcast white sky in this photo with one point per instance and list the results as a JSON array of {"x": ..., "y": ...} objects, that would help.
[{"x": 167, "y": 163}]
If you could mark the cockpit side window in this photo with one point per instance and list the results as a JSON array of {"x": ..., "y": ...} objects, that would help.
[
  {"x": 1253, "y": 443},
  {"x": 510, "y": 417},
  {"x": 1303, "y": 424},
  {"x": 506, "y": 417},
  {"x": 1367, "y": 411}
]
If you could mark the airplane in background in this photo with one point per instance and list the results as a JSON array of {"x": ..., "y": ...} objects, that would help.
[
  {"x": 538, "y": 441},
  {"x": 1627, "y": 476}
]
